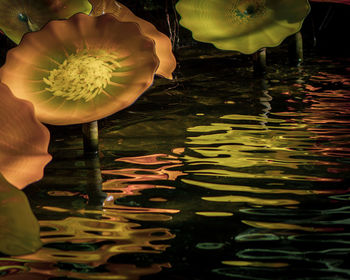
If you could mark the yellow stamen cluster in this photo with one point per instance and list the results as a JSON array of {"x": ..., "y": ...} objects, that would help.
[{"x": 83, "y": 75}]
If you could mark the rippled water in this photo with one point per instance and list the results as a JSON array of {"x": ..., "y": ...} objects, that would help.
[{"x": 217, "y": 175}]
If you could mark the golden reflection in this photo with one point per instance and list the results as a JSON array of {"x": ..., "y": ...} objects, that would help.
[
  {"x": 251, "y": 200},
  {"x": 269, "y": 174},
  {"x": 136, "y": 210},
  {"x": 115, "y": 234},
  {"x": 268, "y": 146},
  {"x": 121, "y": 213},
  {"x": 117, "y": 229},
  {"x": 270, "y": 149},
  {"x": 215, "y": 214},
  {"x": 239, "y": 188},
  {"x": 158, "y": 199},
  {"x": 247, "y": 145},
  {"x": 124, "y": 237}
]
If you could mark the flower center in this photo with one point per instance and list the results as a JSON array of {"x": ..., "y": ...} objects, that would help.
[
  {"x": 25, "y": 19},
  {"x": 22, "y": 17},
  {"x": 244, "y": 10},
  {"x": 83, "y": 75}
]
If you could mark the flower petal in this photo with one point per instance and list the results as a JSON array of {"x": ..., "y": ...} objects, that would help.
[
  {"x": 21, "y": 16},
  {"x": 167, "y": 61},
  {"x": 23, "y": 141},
  {"x": 114, "y": 47},
  {"x": 244, "y": 25}
]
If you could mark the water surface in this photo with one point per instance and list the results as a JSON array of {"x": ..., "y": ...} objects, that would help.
[{"x": 217, "y": 175}]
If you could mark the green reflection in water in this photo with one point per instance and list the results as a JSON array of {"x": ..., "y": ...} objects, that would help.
[
  {"x": 252, "y": 200},
  {"x": 278, "y": 198},
  {"x": 256, "y": 147},
  {"x": 239, "y": 188},
  {"x": 83, "y": 245},
  {"x": 19, "y": 228}
]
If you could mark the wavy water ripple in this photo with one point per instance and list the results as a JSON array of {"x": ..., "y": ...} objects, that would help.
[
  {"x": 85, "y": 241},
  {"x": 284, "y": 176},
  {"x": 226, "y": 176}
]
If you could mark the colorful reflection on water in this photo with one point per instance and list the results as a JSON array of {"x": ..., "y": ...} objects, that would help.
[{"x": 222, "y": 176}]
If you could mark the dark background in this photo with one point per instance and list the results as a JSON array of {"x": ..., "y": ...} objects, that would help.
[{"x": 325, "y": 30}]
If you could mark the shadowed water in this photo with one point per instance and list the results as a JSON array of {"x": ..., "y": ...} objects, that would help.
[{"x": 217, "y": 175}]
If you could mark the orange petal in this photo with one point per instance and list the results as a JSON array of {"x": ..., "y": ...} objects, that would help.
[
  {"x": 23, "y": 141},
  {"x": 163, "y": 45}
]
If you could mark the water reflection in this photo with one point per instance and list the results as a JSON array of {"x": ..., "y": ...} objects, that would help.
[
  {"x": 282, "y": 175},
  {"x": 247, "y": 181},
  {"x": 85, "y": 244},
  {"x": 19, "y": 228},
  {"x": 261, "y": 147}
]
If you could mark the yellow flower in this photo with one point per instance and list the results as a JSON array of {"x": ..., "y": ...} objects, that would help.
[
  {"x": 81, "y": 69},
  {"x": 167, "y": 62},
  {"x": 242, "y": 25},
  {"x": 21, "y": 16}
]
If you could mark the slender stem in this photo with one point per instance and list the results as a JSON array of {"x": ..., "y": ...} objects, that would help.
[
  {"x": 259, "y": 61},
  {"x": 90, "y": 138},
  {"x": 296, "y": 55},
  {"x": 94, "y": 183},
  {"x": 92, "y": 162}
]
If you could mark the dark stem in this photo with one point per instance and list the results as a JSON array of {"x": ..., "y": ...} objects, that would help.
[
  {"x": 259, "y": 61},
  {"x": 296, "y": 54},
  {"x": 94, "y": 184},
  {"x": 90, "y": 138}
]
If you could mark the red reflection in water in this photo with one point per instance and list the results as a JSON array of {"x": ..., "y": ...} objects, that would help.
[
  {"x": 120, "y": 187},
  {"x": 92, "y": 242},
  {"x": 327, "y": 78},
  {"x": 132, "y": 189},
  {"x": 130, "y": 209},
  {"x": 327, "y": 116},
  {"x": 311, "y": 88},
  {"x": 142, "y": 174},
  {"x": 151, "y": 159}
]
